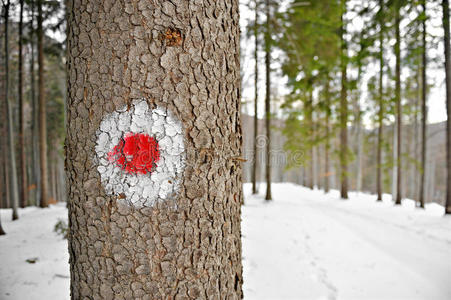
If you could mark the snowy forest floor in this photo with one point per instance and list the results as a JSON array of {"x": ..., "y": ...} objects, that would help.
[{"x": 302, "y": 245}]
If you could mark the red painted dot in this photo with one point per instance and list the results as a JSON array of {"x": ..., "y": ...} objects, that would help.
[{"x": 136, "y": 153}]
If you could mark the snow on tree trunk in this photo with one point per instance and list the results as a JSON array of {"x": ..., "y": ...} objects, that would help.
[{"x": 154, "y": 101}]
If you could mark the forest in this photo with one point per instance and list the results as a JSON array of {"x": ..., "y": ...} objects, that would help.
[{"x": 166, "y": 149}]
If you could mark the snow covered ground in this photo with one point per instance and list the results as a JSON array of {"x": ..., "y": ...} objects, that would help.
[{"x": 302, "y": 245}]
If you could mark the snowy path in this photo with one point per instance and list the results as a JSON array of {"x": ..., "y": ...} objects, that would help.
[
  {"x": 307, "y": 245},
  {"x": 302, "y": 245}
]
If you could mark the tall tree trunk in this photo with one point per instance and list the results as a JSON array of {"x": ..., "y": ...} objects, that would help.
[
  {"x": 445, "y": 5},
  {"x": 343, "y": 108},
  {"x": 381, "y": 104},
  {"x": 23, "y": 158},
  {"x": 11, "y": 158},
  {"x": 309, "y": 123},
  {"x": 398, "y": 105},
  {"x": 327, "y": 146},
  {"x": 42, "y": 111},
  {"x": 255, "y": 160},
  {"x": 180, "y": 244},
  {"x": 268, "y": 101},
  {"x": 35, "y": 112},
  {"x": 423, "y": 105}
]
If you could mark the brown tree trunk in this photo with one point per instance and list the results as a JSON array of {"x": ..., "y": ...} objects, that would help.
[
  {"x": 343, "y": 109},
  {"x": 398, "y": 104},
  {"x": 42, "y": 111},
  {"x": 11, "y": 157},
  {"x": 327, "y": 146},
  {"x": 268, "y": 100},
  {"x": 381, "y": 103},
  {"x": 309, "y": 124},
  {"x": 255, "y": 160},
  {"x": 35, "y": 114},
  {"x": 181, "y": 59},
  {"x": 22, "y": 160},
  {"x": 423, "y": 107},
  {"x": 445, "y": 5},
  {"x": 2, "y": 232}
]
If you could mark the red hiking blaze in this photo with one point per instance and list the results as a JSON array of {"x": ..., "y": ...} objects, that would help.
[{"x": 136, "y": 153}]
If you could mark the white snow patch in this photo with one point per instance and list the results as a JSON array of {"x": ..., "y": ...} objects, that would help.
[{"x": 303, "y": 245}]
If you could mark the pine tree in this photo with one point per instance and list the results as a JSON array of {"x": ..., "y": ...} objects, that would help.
[
  {"x": 445, "y": 5},
  {"x": 186, "y": 245}
]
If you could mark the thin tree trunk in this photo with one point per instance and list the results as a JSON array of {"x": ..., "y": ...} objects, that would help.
[
  {"x": 381, "y": 104},
  {"x": 398, "y": 105},
  {"x": 327, "y": 146},
  {"x": 343, "y": 109},
  {"x": 268, "y": 101},
  {"x": 2, "y": 232},
  {"x": 42, "y": 111},
  {"x": 423, "y": 105},
  {"x": 35, "y": 114},
  {"x": 22, "y": 147},
  {"x": 180, "y": 245},
  {"x": 445, "y": 5},
  {"x": 255, "y": 161},
  {"x": 11, "y": 159}
]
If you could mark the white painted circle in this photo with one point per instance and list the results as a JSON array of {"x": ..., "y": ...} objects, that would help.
[{"x": 142, "y": 190}]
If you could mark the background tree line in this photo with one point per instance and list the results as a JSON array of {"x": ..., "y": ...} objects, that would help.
[
  {"x": 32, "y": 108},
  {"x": 358, "y": 88}
]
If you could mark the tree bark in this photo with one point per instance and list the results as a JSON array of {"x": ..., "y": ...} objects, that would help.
[
  {"x": 35, "y": 113},
  {"x": 255, "y": 160},
  {"x": 42, "y": 112},
  {"x": 423, "y": 105},
  {"x": 398, "y": 105},
  {"x": 327, "y": 146},
  {"x": 445, "y": 5},
  {"x": 2, "y": 232},
  {"x": 343, "y": 109},
  {"x": 22, "y": 147},
  {"x": 11, "y": 158},
  {"x": 381, "y": 104},
  {"x": 181, "y": 56},
  {"x": 268, "y": 100}
]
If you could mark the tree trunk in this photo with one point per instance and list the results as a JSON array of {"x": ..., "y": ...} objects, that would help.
[
  {"x": 175, "y": 235},
  {"x": 2, "y": 232},
  {"x": 343, "y": 109},
  {"x": 255, "y": 160},
  {"x": 448, "y": 104},
  {"x": 381, "y": 104},
  {"x": 398, "y": 106},
  {"x": 22, "y": 160},
  {"x": 268, "y": 101},
  {"x": 423, "y": 105},
  {"x": 327, "y": 146},
  {"x": 35, "y": 113},
  {"x": 42, "y": 111},
  {"x": 11, "y": 158}
]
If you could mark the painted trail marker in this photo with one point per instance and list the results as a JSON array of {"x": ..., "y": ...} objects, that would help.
[{"x": 140, "y": 153}]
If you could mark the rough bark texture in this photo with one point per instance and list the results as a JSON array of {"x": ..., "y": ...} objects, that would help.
[
  {"x": 268, "y": 101},
  {"x": 398, "y": 105},
  {"x": 42, "y": 112},
  {"x": 22, "y": 160},
  {"x": 381, "y": 103},
  {"x": 445, "y": 5},
  {"x": 423, "y": 105},
  {"x": 343, "y": 110},
  {"x": 187, "y": 247},
  {"x": 255, "y": 160}
]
